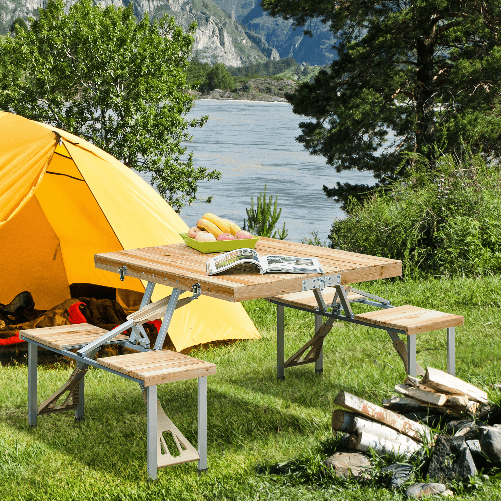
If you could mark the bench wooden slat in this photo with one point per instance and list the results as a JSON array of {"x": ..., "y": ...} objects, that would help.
[
  {"x": 66, "y": 336},
  {"x": 306, "y": 299},
  {"x": 158, "y": 367},
  {"x": 411, "y": 319}
]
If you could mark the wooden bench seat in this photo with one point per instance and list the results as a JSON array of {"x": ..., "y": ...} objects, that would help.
[
  {"x": 407, "y": 319},
  {"x": 64, "y": 337},
  {"x": 159, "y": 367},
  {"x": 411, "y": 319},
  {"x": 148, "y": 368},
  {"x": 305, "y": 300}
]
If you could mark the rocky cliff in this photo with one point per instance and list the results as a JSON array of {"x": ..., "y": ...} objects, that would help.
[
  {"x": 218, "y": 39},
  {"x": 279, "y": 34}
]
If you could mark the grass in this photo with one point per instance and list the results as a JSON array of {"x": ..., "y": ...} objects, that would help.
[{"x": 267, "y": 439}]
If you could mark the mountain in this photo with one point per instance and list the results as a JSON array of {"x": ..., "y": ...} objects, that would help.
[
  {"x": 279, "y": 34},
  {"x": 218, "y": 39},
  {"x": 232, "y": 32}
]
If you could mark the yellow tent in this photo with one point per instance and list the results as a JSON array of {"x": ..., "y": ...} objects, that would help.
[{"x": 62, "y": 200}]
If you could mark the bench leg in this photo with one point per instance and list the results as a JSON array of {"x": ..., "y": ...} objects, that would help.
[
  {"x": 280, "y": 342},
  {"x": 411, "y": 355},
  {"x": 151, "y": 431},
  {"x": 32, "y": 384},
  {"x": 451, "y": 350},
  {"x": 202, "y": 424},
  {"x": 79, "y": 412},
  {"x": 319, "y": 363}
]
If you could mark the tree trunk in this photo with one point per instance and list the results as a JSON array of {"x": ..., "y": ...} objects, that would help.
[{"x": 425, "y": 127}]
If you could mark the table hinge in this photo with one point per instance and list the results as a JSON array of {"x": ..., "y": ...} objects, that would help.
[
  {"x": 321, "y": 282},
  {"x": 123, "y": 271},
  {"x": 197, "y": 290}
]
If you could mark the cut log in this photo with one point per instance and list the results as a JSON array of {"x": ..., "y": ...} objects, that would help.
[
  {"x": 458, "y": 401},
  {"x": 412, "y": 381},
  {"x": 364, "y": 441},
  {"x": 422, "y": 395},
  {"x": 396, "y": 421},
  {"x": 404, "y": 404},
  {"x": 350, "y": 422},
  {"x": 443, "y": 381},
  {"x": 408, "y": 404}
]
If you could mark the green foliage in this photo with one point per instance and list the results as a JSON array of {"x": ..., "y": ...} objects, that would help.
[
  {"x": 262, "y": 219},
  {"x": 196, "y": 74},
  {"x": 445, "y": 223},
  {"x": 218, "y": 77},
  {"x": 115, "y": 81},
  {"x": 409, "y": 76},
  {"x": 18, "y": 24},
  {"x": 203, "y": 77}
]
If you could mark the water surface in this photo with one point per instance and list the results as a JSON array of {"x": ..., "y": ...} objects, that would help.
[{"x": 253, "y": 145}]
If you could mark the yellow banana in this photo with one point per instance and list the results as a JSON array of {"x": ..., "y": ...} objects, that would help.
[
  {"x": 234, "y": 228},
  {"x": 209, "y": 226},
  {"x": 220, "y": 223}
]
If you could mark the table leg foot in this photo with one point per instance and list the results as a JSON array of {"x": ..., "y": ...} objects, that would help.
[
  {"x": 319, "y": 371},
  {"x": 79, "y": 419},
  {"x": 203, "y": 472}
]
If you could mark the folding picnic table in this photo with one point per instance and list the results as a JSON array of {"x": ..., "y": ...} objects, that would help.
[{"x": 184, "y": 269}]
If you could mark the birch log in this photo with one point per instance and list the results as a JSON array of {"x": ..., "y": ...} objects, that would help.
[
  {"x": 364, "y": 441},
  {"x": 349, "y": 422},
  {"x": 396, "y": 421}
]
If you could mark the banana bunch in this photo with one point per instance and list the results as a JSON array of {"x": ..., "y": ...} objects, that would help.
[{"x": 211, "y": 227}]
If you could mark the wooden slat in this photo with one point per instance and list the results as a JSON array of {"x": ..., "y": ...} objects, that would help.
[
  {"x": 412, "y": 319},
  {"x": 179, "y": 266},
  {"x": 158, "y": 367},
  {"x": 306, "y": 299},
  {"x": 66, "y": 336}
]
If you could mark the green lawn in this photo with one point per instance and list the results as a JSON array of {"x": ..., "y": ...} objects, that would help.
[{"x": 256, "y": 423}]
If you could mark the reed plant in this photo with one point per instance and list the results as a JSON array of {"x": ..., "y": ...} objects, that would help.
[{"x": 267, "y": 439}]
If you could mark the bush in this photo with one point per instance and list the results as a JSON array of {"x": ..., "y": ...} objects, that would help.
[{"x": 447, "y": 223}]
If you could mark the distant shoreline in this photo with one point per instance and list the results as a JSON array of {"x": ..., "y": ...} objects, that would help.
[
  {"x": 241, "y": 100},
  {"x": 267, "y": 90}
]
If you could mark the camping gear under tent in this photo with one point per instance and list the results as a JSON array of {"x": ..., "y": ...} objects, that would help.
[{"x": 62, "y": 200}]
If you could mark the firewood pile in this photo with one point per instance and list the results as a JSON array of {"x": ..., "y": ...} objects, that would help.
[{"x": 469, "y": 439}]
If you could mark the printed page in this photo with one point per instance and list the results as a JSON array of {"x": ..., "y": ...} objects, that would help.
[
  {"x": 233, "y": 259},
  {"x": 290, "y": 264}
]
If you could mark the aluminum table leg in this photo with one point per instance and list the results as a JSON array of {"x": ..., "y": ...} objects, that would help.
[
  {"x": 151, "y": 427},
  {"x": 202, "y": 424},
  {"x": 451, "y": 350},
  {"x": 411, "y": 355},
  {"x": 319, "y": 363},
  {"x": 32, "y": 384},
  {"x": 280, "y": 342}
]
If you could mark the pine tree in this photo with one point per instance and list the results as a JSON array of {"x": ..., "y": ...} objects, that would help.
[{"x": 412, "y": 78}]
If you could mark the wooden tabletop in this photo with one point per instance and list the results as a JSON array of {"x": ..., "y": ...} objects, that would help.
[{"x": 179, "y": 266}]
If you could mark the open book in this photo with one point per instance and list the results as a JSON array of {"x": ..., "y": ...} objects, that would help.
[{"x": 243, "y": 258}]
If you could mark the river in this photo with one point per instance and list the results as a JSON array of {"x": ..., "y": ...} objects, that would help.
[{"x": 253, "y": 144}]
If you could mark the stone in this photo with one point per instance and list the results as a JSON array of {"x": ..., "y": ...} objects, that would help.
[
  {"x": 465, "y": 467},
  {"x": 399, "y": 472},
  {"x": 451, "y": 460},
  {"x": 457, "y": 425},
  {"x": 490, "y": 443},
  {"x": 481, "y": 462},
  {"x": 349, "y": 464},
  {"x": 489, "y": 414},
  {"x": 424, "y": 489}
]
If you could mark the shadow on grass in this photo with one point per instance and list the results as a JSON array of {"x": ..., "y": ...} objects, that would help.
[{"x": 112, "y": 438}]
